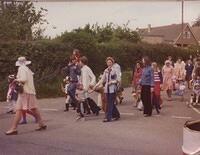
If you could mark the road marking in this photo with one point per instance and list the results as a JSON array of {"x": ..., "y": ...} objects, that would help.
[
  {"x": 43, "y": 109},
  {"x": 122, "y": 113},
  {"x": 47, "y": 109},
  {"x": 181, "y": 117},
  {"x": 195, "y": 109}
]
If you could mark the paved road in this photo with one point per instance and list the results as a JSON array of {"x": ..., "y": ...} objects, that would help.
[{"x": 131, "y": 135}]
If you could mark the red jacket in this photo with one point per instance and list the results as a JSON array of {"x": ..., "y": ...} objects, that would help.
[{"x": 137, "y": 76}]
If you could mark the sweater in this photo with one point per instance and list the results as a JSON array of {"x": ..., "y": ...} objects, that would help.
[
  {"x": 87, "y": 77},
  {"x": 25, "y": 75}
]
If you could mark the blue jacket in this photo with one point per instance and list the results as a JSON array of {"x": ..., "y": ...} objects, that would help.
[
  {"x": 73, "y": 71},
  {"x": 189, "y": 69},
  {"x": 147, "y": 76}
]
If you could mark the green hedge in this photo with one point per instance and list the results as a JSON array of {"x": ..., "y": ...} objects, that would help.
[{"x": 49, "y": 56}]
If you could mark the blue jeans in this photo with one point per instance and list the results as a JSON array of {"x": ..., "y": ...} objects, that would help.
[
  {"x": 112, "y": 110},
  {"x": 72, "y": 93}
]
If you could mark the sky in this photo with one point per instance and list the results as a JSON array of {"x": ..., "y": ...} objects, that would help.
[{"x": 64, "y": 16}]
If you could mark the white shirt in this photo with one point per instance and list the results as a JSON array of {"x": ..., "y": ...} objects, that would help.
[
  {"x": 87, "y": 77},
  {"x": 117, "y": 68},
  {"x": 25, "y": 75}
]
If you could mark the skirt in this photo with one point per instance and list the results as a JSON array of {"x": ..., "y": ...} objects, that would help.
[{"x": 26, "y": 102}]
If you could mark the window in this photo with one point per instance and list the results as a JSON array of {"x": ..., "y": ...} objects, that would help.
[{"x": 187, "y": 35}]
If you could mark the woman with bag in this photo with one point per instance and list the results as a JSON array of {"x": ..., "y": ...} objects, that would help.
[
  {"x": 27, "y": 96},
  {"x": 110, "y": 79}
]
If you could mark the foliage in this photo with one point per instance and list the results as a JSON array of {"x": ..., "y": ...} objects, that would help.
[
  {"x": 48, "y": 56},
  {"x": 196, "y": 22},
  {"x": 20, "y": 21}
]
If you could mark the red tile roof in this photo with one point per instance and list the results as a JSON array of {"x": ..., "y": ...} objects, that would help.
[
  {"x": 196, "y": 32},
  {"x": 169, "y": 32}
]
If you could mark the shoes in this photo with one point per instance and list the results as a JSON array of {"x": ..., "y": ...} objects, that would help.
[
  {"x": 97, "y": 113},
  {"x": 80, "y": 118},
  {"x": 13, "y": 112},
  {"x": 10, "y": 112},
  {"x": 158, "y": 112},
  {"x": 44, "y": 127},
  {"x": 23, "y": 122},
  {"x": 106, "y": 120},
  {"x": 12, "y": 133},
  {"x": 66, "y": 107},
  {"x": 147, "y": 115},
  {"x": 121, "y": 99},
  {"x": 88, "y": 113},
  {"x": 116, "y": 119}
]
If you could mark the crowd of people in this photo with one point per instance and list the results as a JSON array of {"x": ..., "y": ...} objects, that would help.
[
  {"x": 149, "y": 80},
  {"x": 80, "y": 82}
]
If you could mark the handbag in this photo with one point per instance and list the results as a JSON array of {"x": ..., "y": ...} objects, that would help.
[{"x": 19, "y": 88}]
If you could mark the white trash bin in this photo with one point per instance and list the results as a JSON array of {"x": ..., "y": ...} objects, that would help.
[{"x": 191, "y": 138}]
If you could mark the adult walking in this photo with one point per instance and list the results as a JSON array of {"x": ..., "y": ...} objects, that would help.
[
  {"x": 179, "y": 69},
  {"x": 147, "y": 84},
  {"x": 110, "y": 78},
  {"x": 168, "y": 73},
  {"x": 189, "y": 69},
  {"x": 27, "y": 96},
  {"x": 73, "y": 71}
]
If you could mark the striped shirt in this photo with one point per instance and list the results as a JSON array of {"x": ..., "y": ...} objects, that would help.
[{"x": 157, "y": 77}]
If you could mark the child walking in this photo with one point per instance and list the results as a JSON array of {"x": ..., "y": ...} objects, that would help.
[
  {"x": 12, "y": 94},
  {"x": 158, "y": 80},
  {"x": 64, "y": 87},
  {"x": 195, "y": 97}
]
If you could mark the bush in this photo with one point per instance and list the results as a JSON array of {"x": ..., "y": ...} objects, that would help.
[
  {"x": 49, "y": 56},
  {"x": 126, "y": 78}
]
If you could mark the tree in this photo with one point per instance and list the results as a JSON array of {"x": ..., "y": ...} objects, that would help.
[
  {"x": 197, "y": 22},
  {"x": 20, "y": 21}
]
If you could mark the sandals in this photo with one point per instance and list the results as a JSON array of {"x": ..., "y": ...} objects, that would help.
[
  {"x": 44, "y": 127},
  {"x": 15, "y": 132}
]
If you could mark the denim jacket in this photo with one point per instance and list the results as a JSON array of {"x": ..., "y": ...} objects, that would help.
[
  {"x": 147, "y": 76},
  {"x": 73, "y": 71}
]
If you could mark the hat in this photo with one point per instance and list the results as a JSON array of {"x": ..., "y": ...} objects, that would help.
[
  {"x": 167, "y": 62},
  {"x": 11, "y": 76},
  {"x": 22, "y": 61}
]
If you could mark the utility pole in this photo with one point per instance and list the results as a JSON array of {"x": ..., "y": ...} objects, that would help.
[{"x": 182, "y": 23}]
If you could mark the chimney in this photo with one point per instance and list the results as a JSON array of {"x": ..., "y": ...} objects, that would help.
[{"x": 149, "y": 27}]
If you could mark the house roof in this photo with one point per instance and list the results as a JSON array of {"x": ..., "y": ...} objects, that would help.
[
  {"x": 196, "y": 31},
  {"x": 169, "y": 32}
]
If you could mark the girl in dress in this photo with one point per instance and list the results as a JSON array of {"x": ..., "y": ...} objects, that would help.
[
  {"x": 168, "y": 73},
  {"x": 136, "y": 83}
]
